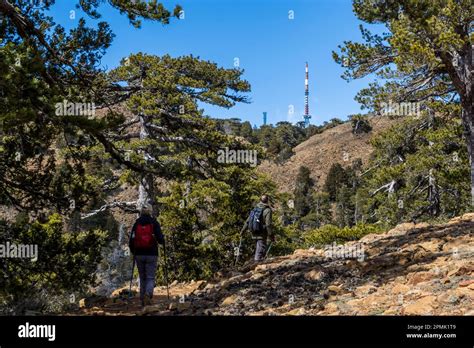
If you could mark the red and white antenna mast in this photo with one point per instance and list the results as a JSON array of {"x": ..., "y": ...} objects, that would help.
[{"x": 306, "y": 115}]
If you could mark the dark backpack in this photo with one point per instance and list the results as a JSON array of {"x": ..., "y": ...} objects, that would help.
[
  {"x": 256, "y": 223},
  {"x": 144, "y": 238}
]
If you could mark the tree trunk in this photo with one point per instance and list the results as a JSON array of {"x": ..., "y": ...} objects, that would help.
[
  {"x": 187, "y": 191},
  {"x": 467, "y": 117},
  {"x": 433, "y": 195},
  {"x": 146, "y": 193},
  {"x": 468, "y": 110},
  {"x": 146, "y": 190}
]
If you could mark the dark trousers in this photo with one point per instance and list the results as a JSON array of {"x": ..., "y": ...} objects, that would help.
[
  {"x": 260, "y": 249},
  {"x": 146, "y": 265}
]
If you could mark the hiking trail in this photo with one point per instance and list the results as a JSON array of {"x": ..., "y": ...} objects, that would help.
[{"x": 413, "y": 269}]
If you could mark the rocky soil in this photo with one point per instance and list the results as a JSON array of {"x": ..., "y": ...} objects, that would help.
[{"x": 411, "y": 270}]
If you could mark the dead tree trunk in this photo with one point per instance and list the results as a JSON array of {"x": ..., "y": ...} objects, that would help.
[
  {"x": 433, "y": 195},
  {"x": 462, "y": 75},
  {"x": 468, "y": 118},
  {"x": 146, "y": 189}
]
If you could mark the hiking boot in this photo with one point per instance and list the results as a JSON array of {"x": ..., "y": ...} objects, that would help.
[{"x": 147, "y": 301}]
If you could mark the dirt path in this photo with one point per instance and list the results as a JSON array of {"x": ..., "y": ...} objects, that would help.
[{"x": 410, "y": 270}]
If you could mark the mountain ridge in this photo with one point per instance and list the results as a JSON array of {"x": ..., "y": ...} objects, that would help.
[{"x": 320, "y": 151}]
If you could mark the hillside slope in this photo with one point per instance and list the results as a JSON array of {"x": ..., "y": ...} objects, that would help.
[
  {"x": 318, "y": 153},
  {"x": 411, "y": 270}
]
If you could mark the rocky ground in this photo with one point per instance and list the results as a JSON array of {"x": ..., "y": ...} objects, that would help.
[{"x": 410, "y": 270}]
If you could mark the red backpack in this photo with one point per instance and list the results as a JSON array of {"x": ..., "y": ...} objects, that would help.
[{"x": 144, "y": 238}]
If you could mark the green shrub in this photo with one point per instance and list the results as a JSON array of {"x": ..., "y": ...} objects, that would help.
[
  {"x": 287, "y": 240},
  {"x": 360, "y": 124},
  {"x": 63, "y": 269},
  {"x": 328, "y": 234}
]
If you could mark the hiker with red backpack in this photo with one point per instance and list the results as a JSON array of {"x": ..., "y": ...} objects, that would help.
[
  {"x": 144, "y": 239},
  {"x": 259, "y": 223}
]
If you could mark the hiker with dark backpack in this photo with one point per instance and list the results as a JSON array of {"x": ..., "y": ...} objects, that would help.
[
  {"x": 259, "y": 223},
  {"x": 144, "y": 239}
]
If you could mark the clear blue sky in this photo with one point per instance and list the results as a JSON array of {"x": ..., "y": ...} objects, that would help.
[{"x": 271, "y": 48}]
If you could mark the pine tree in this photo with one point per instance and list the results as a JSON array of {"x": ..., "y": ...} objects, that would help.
[
  {"x": 427, "y": 54},
  {"x": 419, "y": 172},
  {"x": 320, "y": 213},
  {"x": 163, "y": 133},
  {"x": 336, "y": 178},
  {"x": 42, "y": 66},
  {"x": 303, "y": 191},
  {"x": 203, "y": 226}
]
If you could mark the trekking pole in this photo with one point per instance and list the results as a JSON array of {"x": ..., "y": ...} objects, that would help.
[
  {"x": 166, "y": 271},
  {"x": 131, "y": 278},
  {"x": 268, "y": 250},
  {"x": 238, "y": 251}
]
